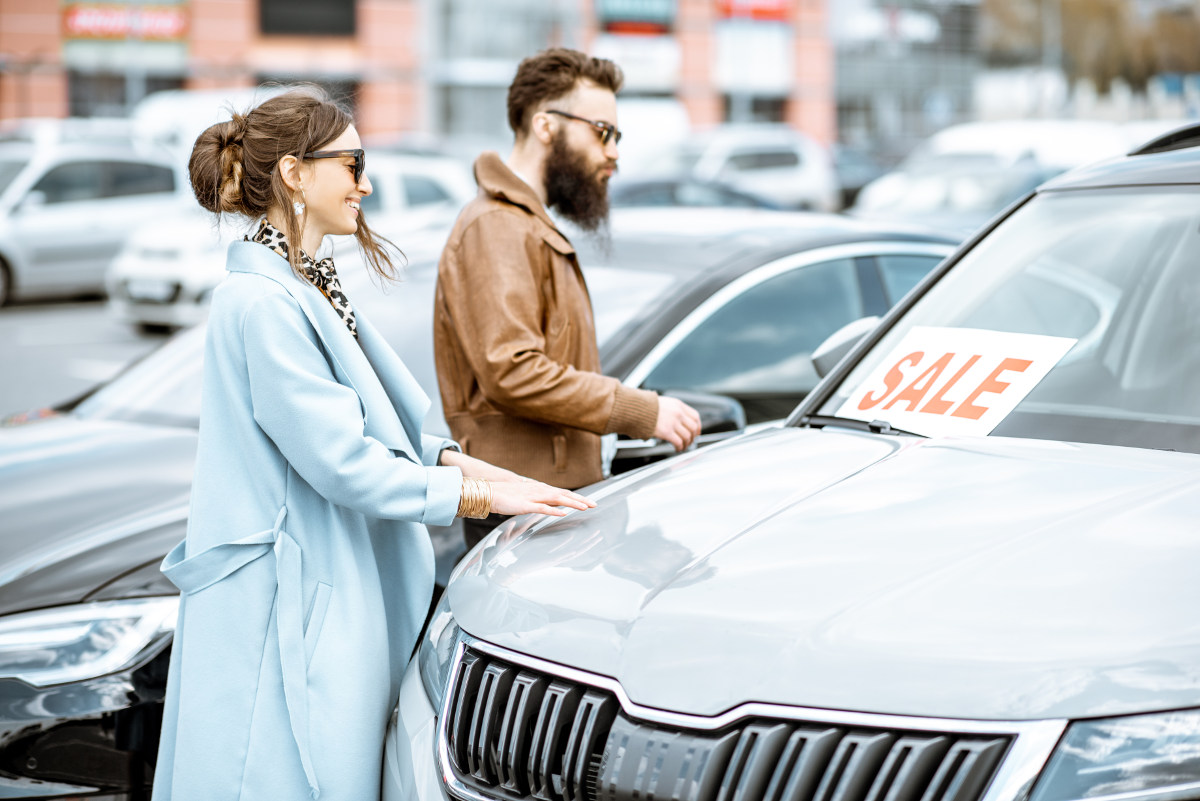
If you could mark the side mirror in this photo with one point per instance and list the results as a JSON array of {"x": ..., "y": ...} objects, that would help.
[
  {"x": 721, "y": 417},
  {"x": 34, "y": 199},
  {"x": 826, "y": 355},
  {"x": 718, "y": 413}
]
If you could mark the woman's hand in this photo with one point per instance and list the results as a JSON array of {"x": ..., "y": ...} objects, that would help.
[{"x": 523, "y": 496}]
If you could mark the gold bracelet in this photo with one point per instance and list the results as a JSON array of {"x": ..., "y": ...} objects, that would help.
[{"x": 476, "y": 499}]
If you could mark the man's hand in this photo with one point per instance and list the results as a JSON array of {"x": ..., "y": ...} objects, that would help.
[{"x": 677, "y": 422}]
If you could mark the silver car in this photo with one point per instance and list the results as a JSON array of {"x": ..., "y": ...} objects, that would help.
[
  {"x": 167, "y": 282},
  {"x": 964, "y": 570},
  {"x": 68, "y": 201}
]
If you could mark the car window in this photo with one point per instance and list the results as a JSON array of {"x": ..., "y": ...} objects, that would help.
[
  {"x": 10, "y": 169},
  {"x": 649, "y": 194},
  {"x": 163, "y": 388},
  {"x": 764, "y": 159},
  {"x": 1112, "y": 270},
  {"x": 693, "y": 194},
  {"x": 420, "y": 191},
  {"x": 132, "y": 178},
  {"x": 73, "y": 181},
  {"x": 757, "y": 347},
  {"x": 374, "y": 201},
  {"x": 902, "y": 272}
]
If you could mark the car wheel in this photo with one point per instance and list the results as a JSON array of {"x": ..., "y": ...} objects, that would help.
[{"x": 5, "y": 283}]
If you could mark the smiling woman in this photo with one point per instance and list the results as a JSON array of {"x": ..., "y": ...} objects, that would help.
[{"x": 306, "y": 569}]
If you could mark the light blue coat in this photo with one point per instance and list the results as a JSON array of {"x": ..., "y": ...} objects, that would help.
[{"x": 307, "y": 570}]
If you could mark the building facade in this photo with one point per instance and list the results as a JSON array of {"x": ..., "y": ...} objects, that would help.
[{"x": 434, "y": 66}]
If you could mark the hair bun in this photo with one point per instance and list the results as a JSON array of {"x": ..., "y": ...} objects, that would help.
[
  {"x": 216, "y": 167},
  {"x": 235, "y": 129}
]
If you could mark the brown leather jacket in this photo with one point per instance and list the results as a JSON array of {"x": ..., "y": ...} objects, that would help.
[{"x": 515, "y": 343}]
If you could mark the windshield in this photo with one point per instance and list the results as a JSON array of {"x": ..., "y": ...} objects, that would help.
[
  {"x": 9, "y": 169},
  {"x": 1076, "y": 319},
  {"x": 162, "y": 389}
]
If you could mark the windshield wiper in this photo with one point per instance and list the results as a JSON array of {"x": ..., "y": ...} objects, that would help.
[{"x": 874, "y": 427}]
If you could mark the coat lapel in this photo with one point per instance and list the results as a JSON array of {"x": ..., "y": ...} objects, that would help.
[{"x": 394, "y": 405}]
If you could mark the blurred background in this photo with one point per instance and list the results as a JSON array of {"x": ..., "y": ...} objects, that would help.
[
  {"x": 876, "y": 74},
  {"x": 937, "y": 113}
]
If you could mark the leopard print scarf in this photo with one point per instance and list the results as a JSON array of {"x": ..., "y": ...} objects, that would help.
[{"x": 320, "y": 274}]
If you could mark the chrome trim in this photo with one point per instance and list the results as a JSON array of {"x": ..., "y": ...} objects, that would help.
[
  {"x": 764, "y": 273},
  {"x": 1168, "y": 793},
  {"x": 1033, "y": 740}
]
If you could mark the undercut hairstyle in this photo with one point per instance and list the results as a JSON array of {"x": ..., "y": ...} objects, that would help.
[
  {"x": 234, "y": 166},
  {"x": 552, "y": 74}
]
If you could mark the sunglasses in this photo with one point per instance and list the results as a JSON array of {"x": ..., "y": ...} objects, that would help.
[
  {"x": 360, "y": 159},
  {"x": 606, "y": 131}
]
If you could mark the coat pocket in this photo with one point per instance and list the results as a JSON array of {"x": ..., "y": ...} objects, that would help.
[{"x": 316, "y": 619}]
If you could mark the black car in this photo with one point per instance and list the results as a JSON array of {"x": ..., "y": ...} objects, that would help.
[{"x": 93, "y": 496}]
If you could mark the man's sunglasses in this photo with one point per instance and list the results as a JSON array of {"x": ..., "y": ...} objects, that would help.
[
  {"x": 607, "y": 131},
  {"x": 359, "y": 155}
]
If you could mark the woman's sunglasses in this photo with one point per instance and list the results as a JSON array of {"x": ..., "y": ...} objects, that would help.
[{"x": 360, "y": 159}]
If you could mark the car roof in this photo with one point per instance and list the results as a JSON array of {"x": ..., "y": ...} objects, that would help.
[
  {"x": 706, "y": 239},
  {"x": 60, "y": 151},
  {"x": 1173, "y": 158}
]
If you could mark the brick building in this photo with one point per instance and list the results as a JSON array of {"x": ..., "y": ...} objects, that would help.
[{"x": 436, "y": 66}]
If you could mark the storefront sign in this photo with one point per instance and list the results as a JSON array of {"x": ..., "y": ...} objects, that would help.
[
  {"x": 654, "y": 16},
  {"x": 110, "y": 21},
  {"x": 774, "y": 10},
  {"x": 943, "y": 381}
]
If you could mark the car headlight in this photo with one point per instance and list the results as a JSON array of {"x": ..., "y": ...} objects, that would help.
[
  {"x": 82, "y": 641},
  {"x": 437, "y": 652},
  {"x": 1132, "y": 758}
]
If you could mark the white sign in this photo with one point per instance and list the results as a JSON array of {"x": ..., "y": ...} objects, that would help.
[{"x": 944, "y": 381}]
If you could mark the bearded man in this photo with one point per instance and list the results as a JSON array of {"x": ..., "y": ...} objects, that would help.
[{"x": 517, "y": 363}]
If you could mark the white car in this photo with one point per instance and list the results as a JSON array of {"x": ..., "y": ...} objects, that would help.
[
  {"x": 775, "y": 162},
  {"x": 70, "y": 194},
  {"x": 164, "y": 276}
]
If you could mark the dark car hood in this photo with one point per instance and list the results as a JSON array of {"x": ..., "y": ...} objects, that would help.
[
  {"x": 974, "y": 578},
  {"x": 82, "y": 503}
]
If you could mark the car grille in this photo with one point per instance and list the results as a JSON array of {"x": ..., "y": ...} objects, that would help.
[{"x": 516, "y": 733}]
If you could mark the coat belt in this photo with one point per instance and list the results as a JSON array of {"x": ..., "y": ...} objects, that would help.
[{"x": 202, "y": 570}]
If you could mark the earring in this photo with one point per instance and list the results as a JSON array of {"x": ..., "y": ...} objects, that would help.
[{"x": 298, "y": 205}]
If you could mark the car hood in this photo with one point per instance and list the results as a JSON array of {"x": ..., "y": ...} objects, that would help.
[
  {"x": 82, "y": 503},
  {"x": 981, "y": 578}
]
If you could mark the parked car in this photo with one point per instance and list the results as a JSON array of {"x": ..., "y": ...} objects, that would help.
[
  {"x": 964, "y": 570},
  {"x": 681, "y": 191},
  {"x": 855, "y": 167},
  {"x": 95, "y": 495},
  {"x": 772, "y": 161},
  {"x": 953, "y": 194},
  {"x": 966, "y": 174},
  {"x": 162, "y": 282},
  {"x": 68, "y": 203}
]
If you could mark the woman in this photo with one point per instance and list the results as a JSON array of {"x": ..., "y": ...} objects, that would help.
[{"x": 307, "y": 570}]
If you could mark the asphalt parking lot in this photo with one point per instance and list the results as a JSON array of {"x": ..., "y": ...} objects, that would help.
[{"x": 54, "y": 351}]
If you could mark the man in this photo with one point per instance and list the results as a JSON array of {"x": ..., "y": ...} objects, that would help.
[{"x": 515, "y": 344}]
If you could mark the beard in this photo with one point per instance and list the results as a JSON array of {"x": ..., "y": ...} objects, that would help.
[{"x": 573, "y": 188}]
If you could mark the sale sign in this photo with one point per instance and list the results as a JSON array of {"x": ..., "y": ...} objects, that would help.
[{"x": 942, "y": 381}]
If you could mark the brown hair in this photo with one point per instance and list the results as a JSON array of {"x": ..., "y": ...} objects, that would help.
[
  {"x": 234, "y": 167},
  {"x": 551, "y": 74}
]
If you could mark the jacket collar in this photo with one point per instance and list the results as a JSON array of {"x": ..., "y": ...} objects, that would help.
[
  {"x": 394, "y": 404},
  {"x": 497, "y": 180}
]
